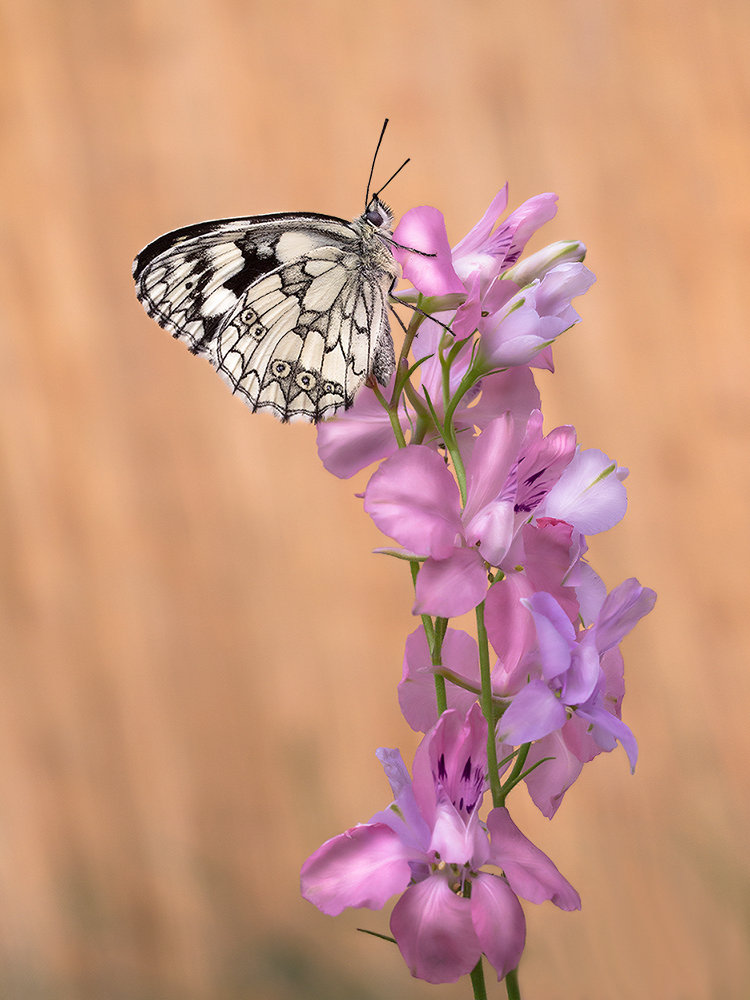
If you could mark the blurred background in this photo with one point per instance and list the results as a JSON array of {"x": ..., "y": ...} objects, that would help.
[{"x": 199, "y": 652}]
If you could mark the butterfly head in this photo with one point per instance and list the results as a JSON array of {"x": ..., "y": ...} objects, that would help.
[{"x": 379, "y": 215}]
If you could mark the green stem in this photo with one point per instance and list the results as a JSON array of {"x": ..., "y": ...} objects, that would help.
[
  {"x": 402, "y": 364},
  {"x": 423, "y": 414},
  {"x": 396, "y": 427},
  {"x": 515, "y": 775},
  {"x": 487, "y": 707},
  {"x": 441, "y": 696},
  {"x": 463, "y": 387},
  {"x": 477, "y": 981},
  {"x": 401, "y": 384},
  {"x": 458, "y": 463},
  {"x": 435, "y": 634},
  {"x": 446, "y": 369},
  {"x": 449, "y": 434},
  {"x": 511, "y": 985},
  {"x": 392, "y": 410}
]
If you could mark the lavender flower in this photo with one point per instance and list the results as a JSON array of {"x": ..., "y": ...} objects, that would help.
[{"x": 431, "y": 845}]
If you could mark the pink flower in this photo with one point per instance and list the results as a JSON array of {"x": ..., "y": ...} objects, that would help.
[
  {"x": 518, "y": 319},
  {"x": 589, "y": 493},
  {"x": 515, "y": 325},
  {"x": 519, "y": 313},
  {"x": 565, "y": 751},
  {"x": 570, "y": 678},
  {"x": 509, "y": 624},
  {"x": 561, "y": 495},
  {"x": 363, "y": 434},
  {"x": 359, "y": 436},
  {"x": 416, "y": 690},
  {"x": 480, "y": 256},
  {"x": 431, "y": 270},
  {"x": 431, "y": 843},
  {"x": 413, "y": 498}
]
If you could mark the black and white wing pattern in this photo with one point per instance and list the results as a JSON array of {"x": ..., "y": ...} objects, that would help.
[{"x": 291, "y": 309}]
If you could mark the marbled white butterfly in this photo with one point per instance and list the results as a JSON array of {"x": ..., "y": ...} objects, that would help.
[{"x": 291, "y": 309}]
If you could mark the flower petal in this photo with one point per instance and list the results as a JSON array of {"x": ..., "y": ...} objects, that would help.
[
  {"x": 591, "y": 591},
  {"x": 403, "y": 815},
  {"x": 589, "y": 494},
  {"x": 534, "y": 712},
  {"x": 416, "y": 690},
  {"x": 513, "y": 390},
  {"x": 608, "y": 730},
  {"x": 515, "y": 338},
  {"x": 479, "y": 234},
  {"x": 395, "y": 770},
  {"x": 529, "y": 871},
  {"x": 451, "y": 761},
  {"x": 561, "y": 284},
  {"x": 451, "y": 587},
  {"x": 510, "y": 627},
  {"x": 622, "y": 609},
  {"x": 524, "y": 221},
  {"x": 469, "y": 313},
  {"x": 547, "y": 544},
  {"x": 423, "y": 229},
  {"x": 543, "y": 460},
  {"x": 434, "y": 931},
  {"x": 413, "y": 498},
  {"x": 555, "y": 633},
  {"x": 584, "y": 679},
  {"x": 357, "y": 437},
  {"x": 494, "y": 452},
  {"x": 363, "y": 867},
  {"x": 536, "y": 265},
  {"x": 498, "y": 921},
  {"x": 491, "y": 530},
  {"x": 548, "y": 783},
  {"x": 456, "y": 841}
]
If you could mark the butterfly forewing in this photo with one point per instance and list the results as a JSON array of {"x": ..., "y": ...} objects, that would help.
[{"x": 291, "y": 309}]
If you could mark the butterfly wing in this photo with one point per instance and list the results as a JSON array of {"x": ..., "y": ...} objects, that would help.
[
  {"x": 291, "y": 309},
  {"x": 302, "y": 339}
]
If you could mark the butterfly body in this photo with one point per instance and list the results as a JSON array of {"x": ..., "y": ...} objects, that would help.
[{"x": 291, "y": 309}]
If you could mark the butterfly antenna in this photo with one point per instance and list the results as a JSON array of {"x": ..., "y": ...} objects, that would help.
[
  {"x": 390, "y": 179},
  {"x": 372, "y": 168}
]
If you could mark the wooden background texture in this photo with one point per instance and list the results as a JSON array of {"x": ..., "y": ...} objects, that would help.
[{"x": 199, "y": 651}]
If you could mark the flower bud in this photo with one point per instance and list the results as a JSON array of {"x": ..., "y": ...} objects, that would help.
[{"x": 537, "y": 265}]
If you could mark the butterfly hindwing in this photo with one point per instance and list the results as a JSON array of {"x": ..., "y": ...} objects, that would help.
[
  {"x": 299, "y": 341},
  {"x": 291, "y": 309}
]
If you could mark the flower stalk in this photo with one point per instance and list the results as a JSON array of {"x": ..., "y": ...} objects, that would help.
[
  {"x": 488, "y": 707},
  {"x": 477, "y": 981},
  {"x": 493, "y": 517}
]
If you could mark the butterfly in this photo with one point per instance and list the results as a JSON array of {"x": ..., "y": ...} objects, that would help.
[{"x": 291, "y": 309}]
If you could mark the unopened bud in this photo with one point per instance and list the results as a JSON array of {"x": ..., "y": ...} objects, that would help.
[{"x": 537, "y": 265}]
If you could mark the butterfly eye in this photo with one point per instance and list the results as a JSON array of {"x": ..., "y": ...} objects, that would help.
[{"x": 375, "y": 218}]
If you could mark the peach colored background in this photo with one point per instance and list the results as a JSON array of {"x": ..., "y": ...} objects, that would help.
[{"x": 199, "y": 652}]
